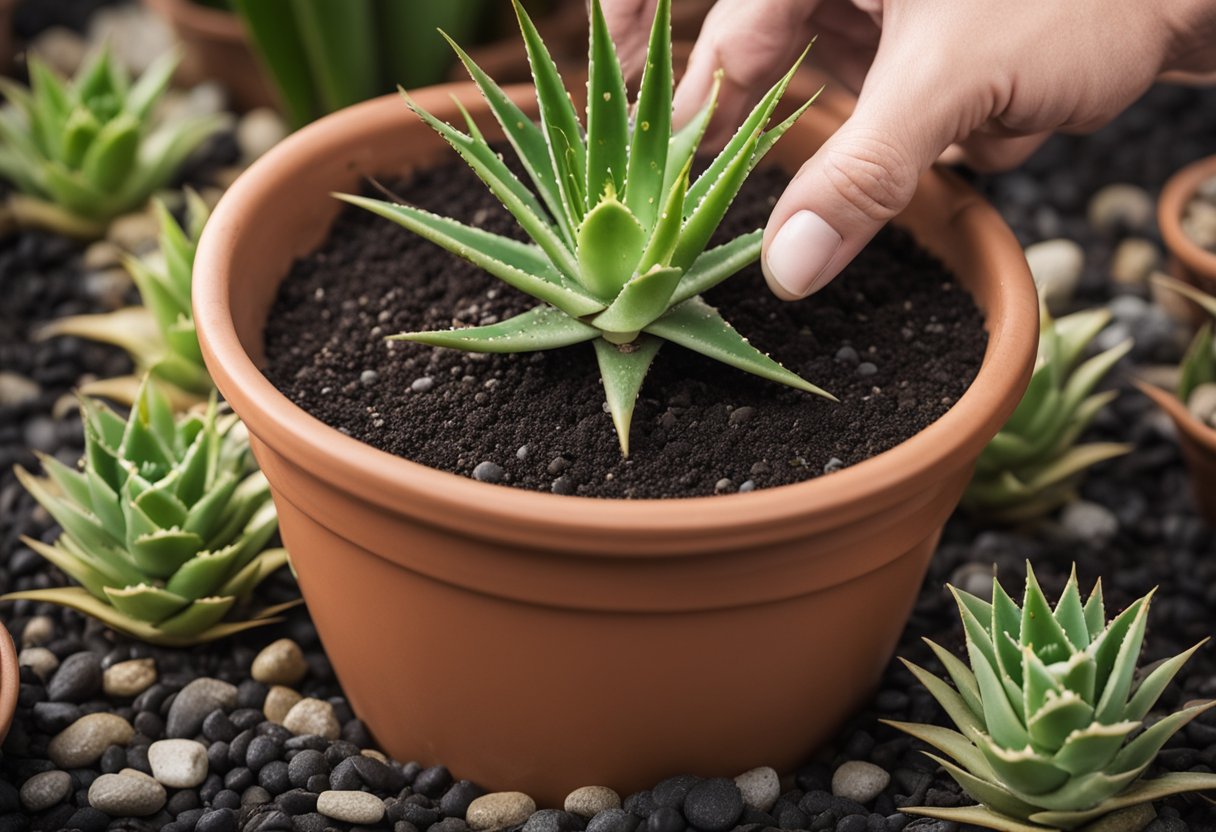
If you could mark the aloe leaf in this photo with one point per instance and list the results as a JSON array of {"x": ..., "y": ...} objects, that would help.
[
  {"x": 203, "y": 573},
  {"x": 525, "y": 137},
  {"x": 1058, "y": 717},
  {"x": 1093, "y": 747},
  {"x": 953, "y": 703},
  {"x": 1144, "y": 792},
  {"x": 162, "y": 154},
  {"x": 514, "y": 196},
  {"x": 79, "y": 133},
  {"x": 146, "y": 603},
  {"x": 254, "y": 572},
  {"x": 1071, "y": 613},
  {"x": 718, "y": 264},
  {"x": 256, "y": 533},
  {"x": 73, "y": 483},
  {"x": 91, "y": 573},
  {"x": 1000, "y": 718},
  {"x": 697, "y": 326},
  {"x": 1150, "y": 690},
  {"x": 951, "y": 743},
  {"x": 559, "y": 121},
  {"x": 703, "y": 221},
  {"x": 1205, "y": 301},
  {"x": 961, "y": 676},
  {"x": 1001, "y": 802},
  {"x": 1006, "y": 624},
  {"x": 71, "y": 191},
  {"x": 161, "y": 553},
  {"x": 204, "y": 515},
  {"x": 51, "y": 104},
  {"x": 27, "y": 176},
  {"x": 640, "y": 302},
  {"x": 249, "y": 503},
  {"x": 411, "y": 52},
  {"x": 623, "y": 367},
  {"x": 1082, "y": 790},
  {"x": 1086, "y": 377},
  {"x": 1023, "y": 772},
  {"x": 1038, "y": 686},
  {"x": 1040, "y": 630},
  {"x": 652, "y": 124},
  {"x": 161, "y": 506},
  {"x": 542, "y": 328},
  {"x": 773, "y": 135},
  {"x": 337, "y": 39},
  {"x": 275, "y": 35},
  {"x": 1143, "y": 749},
  {"x": 1199, "y": 364},
  {"x": 682, "y": 148},
  {"x": 146, "y": 91},
  {"x": 86, "y": 528},
  {"x": 1095, "y": 612},
  {"x": 1119, "y": 683},
  {"x": 514, "y": 263},
  {"x": 666, "y": 235},
  {"x": 199, "y": 616},
  {"x": 111, "y": 156},
  {"x": 975, "y": 816},
  {"x": 1107, "y": 647},
  {"x": 610, "y": 243},
  {"x": 1074, "y": 333},
  {"x": 607, "y": 113},
  {"x": 1080, "y": 421},
  {"x": 755, "y": 122}
]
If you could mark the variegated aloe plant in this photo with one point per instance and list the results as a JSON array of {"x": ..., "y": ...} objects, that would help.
[
  {"x": 1198, "y": 367},
  {"x": 1033, "y": 465},
  {"x": 85, "y": 151},
  {"x": 165, "y": 526},
  {"x": 159, "y": 336},
  {"x": 1052, "y": 730},
  {"x": 619, "y": 236}
]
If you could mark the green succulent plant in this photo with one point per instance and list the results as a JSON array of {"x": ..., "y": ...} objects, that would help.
[
  {"x": 1033, "y": 466},
  {"x": 87, "y": 150},
  {"x": 165, "y": 525},
  {"x": 1198, "y": 367},
  {"x": 159, "y": 336},
  {"x": 619, "y": 235},
  {"x": 1052, "y": 729}
]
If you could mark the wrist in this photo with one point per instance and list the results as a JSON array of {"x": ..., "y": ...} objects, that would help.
[{"x": 1192, "y": 26}]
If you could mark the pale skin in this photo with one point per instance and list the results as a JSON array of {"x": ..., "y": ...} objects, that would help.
[{"x": 981, "y": 81}]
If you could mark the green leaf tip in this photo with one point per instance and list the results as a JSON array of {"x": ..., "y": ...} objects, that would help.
[
  {"x": 1082, "y": 712},
  {"x": 618, "y": 233}
]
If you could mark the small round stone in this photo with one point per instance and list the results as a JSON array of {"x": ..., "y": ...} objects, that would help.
[
  {"x": 351, "y": 807},
  {"x": 279, "y": 702},
  {"x": 1121, "y": 207},
  {"x": 563, "y": 486},
  {"x": 82, "y": 743},
  {"x": 129, "y": 679},
  {"x": 866, "y": 368},
  {"x": 760, "y": 787},
  {"x": 44, "y": 790},
  {"x": 859, "y": 781},
  {"x": 499, "y": 809},
  {"x": 40, "y": 660},
  {"x": 834, "y": 464},
  {"x": 16, "y": 390},
  {"x": 741, "y": 415},
  {"x": 1056, "y": 266},
  {"x": 848, "y": 355},
  {"x": 77, "y": 679},
  {"x": 487, "y": 471},
  {"x": 313, "y": 716},
  {"x": 724, "y": 486},
  {"x": 423, "y": 385},
  {"x": 714, "y": 805},
  {"x": 1133, "y": 261},
  {"x": 259, "y": 130},
  {"x": 177, "y": 763},
  {"x": 131, "y": 794},
  {"x": 1090, "y": 523},
  {"x": 280, "y": 663},
  {"x": 38, "y": 631},
  {"x": 194, "y": 702},
  {"x": 589, "y": 801}
]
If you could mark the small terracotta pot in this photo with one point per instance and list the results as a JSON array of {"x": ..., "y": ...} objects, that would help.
[
  {"x": 1198, "y": 442},
  {"x": 1188, "y": 261},
  {"x": 538, "y": 642},
  {"x": 217, "y": 48},
  {"x": 10, "y": 681}
]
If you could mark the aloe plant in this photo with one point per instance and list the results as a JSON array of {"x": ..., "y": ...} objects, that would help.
[
  {"x": 85, "y": 151},
  {"x": 1052, "y": 729},
  {"x": 1198, "y": 367},
  {"x": 165, "y": 526},
  {"x": 1033, "y": 465},
  {"x": 619, "y": 230},
  {"x": 159, "y": 336}
]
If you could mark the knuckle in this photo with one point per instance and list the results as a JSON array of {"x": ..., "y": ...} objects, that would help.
[{"x": 870, "y": 174}]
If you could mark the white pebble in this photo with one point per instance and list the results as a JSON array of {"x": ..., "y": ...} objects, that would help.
[
  {"x": 760, "y": 787},
  {"x": 859, "y": 781},
  {"x": 589, "y": 801},
  {"x": 129, "y": 678},
  {"x": 1202, "y": 404},
  {"x": 351, "y": 807},
  {"x": 313, "y": 716},
  {"x": 1121, "y": 206},
  {"x": 178, "y": 764},
  {"x": 1056, "y": 266},
  {"x": 280, "y": 663},
  {"x": 499, "y": 810}
]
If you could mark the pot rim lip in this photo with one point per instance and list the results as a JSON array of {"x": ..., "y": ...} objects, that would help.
[
  {"x": 213, "y": 23},
  {"x": 10, "y": 680},
  {"x": 1175, "y": 195},
  {"x": 386, "y": 480},
  {"x": 1178, "y": 412}
]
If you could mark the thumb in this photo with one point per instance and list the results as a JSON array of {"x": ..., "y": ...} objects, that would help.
[{"x": 864, "y": 175}]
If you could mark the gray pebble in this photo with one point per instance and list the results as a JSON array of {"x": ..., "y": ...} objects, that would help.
[
  {"x": 866, "y": 368},
  {"x": 81, "y": 743},
  {"x": 742, "y": 415},
  {"x": 1091, "y": 523},
  {"x": 38, "y": 630},
  {"x": 723, "y": 485},
  {"x": 40, "y": 660},
  {"x": 589, "y": 801},
  {"x": 859, "y": 781},
  {"x": 368, "y": 377},
  {"x": 833, "y": 465},
  {"x": 178, "y": 764},
  {"x": 1056, "y": 266},
  {"x": 488, "y": 472},
  {"x": 563, "y": 486},
  {"x": 279, "y": 663},
  {"x": 350, "y": 806},
  {"x": 847, "y": 355},
  {"x": 760, "y": 787},
  {"x": 132, "y": 794},
  {"x": 44, "y": 790},
  {"x": 746, "y": 486},
  {"x": 422, "y": 385},
  {"x": 194, "y": 702},
  {"x": 499, "y": 810}
]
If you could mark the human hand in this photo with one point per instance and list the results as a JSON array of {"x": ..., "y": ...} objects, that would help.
[{"x": 988, "y": 78}]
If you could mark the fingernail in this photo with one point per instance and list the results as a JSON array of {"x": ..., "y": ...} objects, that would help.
[{"x": 801, "y": 252}]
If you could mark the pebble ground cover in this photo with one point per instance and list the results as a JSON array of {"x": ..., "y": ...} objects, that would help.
[{"x": 254, "y": 734}]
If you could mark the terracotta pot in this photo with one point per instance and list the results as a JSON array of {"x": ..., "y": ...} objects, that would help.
[
  {"x": 538, "y": 642},
  {"x": 1198, "y": 442},
  {"x": 1188, "y": 261},
  {"x": 216, "y": 48},
  {"x": 10, "y": 681}
]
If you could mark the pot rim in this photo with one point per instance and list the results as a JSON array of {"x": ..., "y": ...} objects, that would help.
[
  {"x": 10, "y": 680},
  {"x": 1175, "y": 195},
  {"x": 600, "y": 525},
  {"x": 1183, "y": 419}
]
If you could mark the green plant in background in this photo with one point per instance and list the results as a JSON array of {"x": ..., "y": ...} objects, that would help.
[
  {"x": 1034, "y": 464},
  {"x": 325, "y": 55},
  {"x": 159, "y": 336},
  {"x": 619, "y": 235},
  {"x": 84, "y": 151},
  {"x": 1197, "y": 372},
  {"x": 1052, "y": 721},
  {"x": 165, "y": 526}
]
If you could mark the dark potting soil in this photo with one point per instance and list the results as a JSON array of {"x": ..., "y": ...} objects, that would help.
[{"x": 895, "y": 338}]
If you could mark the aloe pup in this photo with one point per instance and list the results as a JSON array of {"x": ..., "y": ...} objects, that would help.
[
  {"x": 618, "y": 225},
  {"x": 159, "y": 336},
  {"x": 1051, "y": 713},
  {"x": 165, "y": 525},
  {"x": 84, "y": 151},
  {"x": 1033, "y": 466}
]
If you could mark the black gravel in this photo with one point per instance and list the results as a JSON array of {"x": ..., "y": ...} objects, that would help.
[{"x": 261, "y": 778}]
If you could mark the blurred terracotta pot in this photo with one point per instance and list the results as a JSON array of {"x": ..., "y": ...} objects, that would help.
[
  {"x": 538, "y": 642},
  {"x": 10, "y": 681},
  {"x": 1198, "y": 442},
  {"x": 217, "y": 49},
  {"x": 1188, "y": 261}
]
